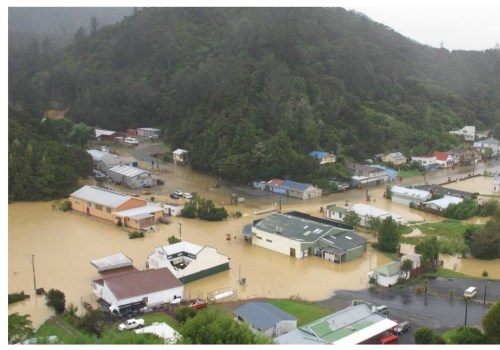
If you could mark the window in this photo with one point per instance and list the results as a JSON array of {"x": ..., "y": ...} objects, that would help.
[
  {"x": 98, "y": 207},
  {"x": 77, "y": 201},
  {"x": 89, "y": 204},
  {"x": 108, "y": 210},
  {"x": 258, "y": 237},
  {"x": 268, "y": 240}
]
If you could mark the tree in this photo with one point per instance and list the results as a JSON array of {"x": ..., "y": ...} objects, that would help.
[
  {"x": 373, "y": 224},
  {"x": 424, "y": 335},
  {"x": 485, "y": 243},
  {"x": 429, "y": 250},
  {"x": 213, "y": 326},
  {"x": 56, "y": 300},
  {"x": 20, "y": 328},
  {"x": 389, "y": 235},
  {"x": 461, "y": 211},
  {"x": 406, "y": 267},
  {"x": 468, "y": 335},
  {"x": 352, "y": 218},
  {"x": 93, "y": 321},
  {"x": 81, "y": 135},
  {"x": 172, "y": 240},
  {"x": 491, "y": 324}
]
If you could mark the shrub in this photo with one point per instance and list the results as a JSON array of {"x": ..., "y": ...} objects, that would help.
[
  {"x": 56, "y": 300},
  {"x": 15, "y": 297},
  {"x": 485, "y": 273},
  {"x": 135, "y": 234}
]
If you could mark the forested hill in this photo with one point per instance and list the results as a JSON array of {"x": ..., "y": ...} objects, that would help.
[{"x": 251, "y": 91}]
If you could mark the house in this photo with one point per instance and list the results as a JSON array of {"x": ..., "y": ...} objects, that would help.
[
  {"x": 443, "y": 191},
  {"x": 386, "y": 275},
  {"x": 365, "y": 212},
  {"x": 107, "y": 135},
  {"x": 483, "y": 134},
  {"x": 323, "y": 157},
  {"x": 187, "y": 261},
  {"x": 428, "y": 163},
  {"x": 364, "y": 175},
  {"x": 395, "y": 158},
  {"x": 403, "y": 195},
  {"x": 116, "y": 207},
  {"x": 357, "y": 324},
  {"x": 468, "y": 133},
  {"x": 274, "y": 185},
  {"x": 300, "y": 190},
  {"x": 163, "y": 330},
  {"x": 300, "y": 235},
  {"x": 148, "y": 132},
  {"x": 266, "y": 318},
  {"x": 489, "y": 143},
  {"x": 132, "y": 177},
  {"x": 103, "y": 161},
  {"x": 173, "y": 209},
  {"x": 390, "y": 174},
  {"x": 179, "y": 156},
  {"x": 151, "y": 287},
  {"x": 462, "y": 156},
  {"x": 442, "y": 203},
  {"x": 443, "y": 159}
]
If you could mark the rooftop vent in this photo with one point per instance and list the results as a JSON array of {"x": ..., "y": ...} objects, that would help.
[{"x": 279, "y": 230}]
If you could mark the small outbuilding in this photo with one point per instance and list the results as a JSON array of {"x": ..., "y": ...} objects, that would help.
[
  {"x": 179, "y": 156},
  {"x": 386, "y": 275},
  {"x": 266, "y": 318}
]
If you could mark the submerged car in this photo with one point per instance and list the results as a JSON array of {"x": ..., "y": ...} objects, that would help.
[{"x": 174, "y": 196}]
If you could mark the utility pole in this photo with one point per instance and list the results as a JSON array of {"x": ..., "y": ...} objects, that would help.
[
  {"x": 466, "y": 303},
  {"x": 180, "y": 230},
  {"x": 33, "y": 266}
]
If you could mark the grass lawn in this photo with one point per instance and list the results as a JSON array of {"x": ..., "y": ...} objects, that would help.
[
  {"x": 406, "y": 229},
  {"x": 446, "y": 273},
  {"x": 65, "y": 331},
  {"x": 409, "y": 173},
  {"x": 160, "y": 317},
  {"x": 450, "y": 234},
  {"x": 303, "y": 311}
]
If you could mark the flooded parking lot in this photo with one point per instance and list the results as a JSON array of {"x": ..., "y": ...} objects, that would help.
[{"x": 63, "y": 245}]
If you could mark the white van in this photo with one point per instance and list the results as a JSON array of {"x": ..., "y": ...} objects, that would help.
[
  {"x": 131, "y": 141},
  {"x": 470, "y": 292}
]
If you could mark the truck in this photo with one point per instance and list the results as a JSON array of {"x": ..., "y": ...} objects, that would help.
[{"x": 131, "y": 324}]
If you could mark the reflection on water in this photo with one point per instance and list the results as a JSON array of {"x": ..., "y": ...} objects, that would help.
[{"x": 65, "y": 243}]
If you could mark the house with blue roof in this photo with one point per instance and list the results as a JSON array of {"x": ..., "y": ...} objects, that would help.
[
  {"x": 391, "y": 175},
  {"x": 266, "y": 318},
  {"x": 323, "y": 157}
]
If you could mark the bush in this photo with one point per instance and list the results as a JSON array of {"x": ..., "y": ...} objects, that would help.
[
  {"x": 485, "y": 273},
  {"x": 135, "y": 234},
  {"x": 56, "y": 300},
  {"x": 65, "y": 205},
  {"x": 15, "y": 297},
  {"x": 119, "y": 222},
  {"x": 183, "y": 313}
]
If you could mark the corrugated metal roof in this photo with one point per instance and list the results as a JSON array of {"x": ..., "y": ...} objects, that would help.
[
  {"x": 145, "y": 210},
  {"x": 345, "y": 241},
  {"x": 112, "y": 262},
  {"x": 139, "y": 283},
  {"x": 410, "y": 192},
  {"x": 262, "y": 315},
  {"x": 274, "y": 182},
  {"x": 319, "y": 154},
  {"x": 128, "y": 171},
  {"x": 367, "y": 210},
  {"x": 389, "y": 269},
  {"x": 444, "y": 202},
  {"x": 101, "y": 196},
  {"x": 100, "y": 132},
  {"x": 295, "y": 185},
  {"x": 179, "y": 151}
]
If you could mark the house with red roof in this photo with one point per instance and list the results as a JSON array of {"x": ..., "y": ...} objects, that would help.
[{"x": 444, "y": 159}]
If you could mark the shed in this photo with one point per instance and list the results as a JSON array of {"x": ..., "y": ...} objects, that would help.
[
  {"x": 386, "y": 275},
  {"x": 179, "y": 156},
  {"x": 266, "y": 318},
  {"x": 132, "y": 177},
  {"x": 403, "y": 195}
]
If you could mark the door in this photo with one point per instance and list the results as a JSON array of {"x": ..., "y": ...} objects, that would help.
[{"x": 292, "y": 252}]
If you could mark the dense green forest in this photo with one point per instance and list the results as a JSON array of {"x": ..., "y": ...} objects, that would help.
[{"x": 251, "y": 91}]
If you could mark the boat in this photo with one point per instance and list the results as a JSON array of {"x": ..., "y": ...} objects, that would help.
[{"x": 199, "y": 304}]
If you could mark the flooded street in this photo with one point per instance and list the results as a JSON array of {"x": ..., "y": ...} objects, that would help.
[{"x": 63, "y": 245}]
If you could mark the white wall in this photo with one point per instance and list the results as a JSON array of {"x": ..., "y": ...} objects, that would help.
[{"x": 278, "y": 243}]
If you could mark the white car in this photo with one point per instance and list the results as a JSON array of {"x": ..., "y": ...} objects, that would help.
[
  {"x": 131, "y": 141},
  {"x": 187, "y": 195},
  {"x": 131, "y": 324},
  {"x": 179, "y": 193}
]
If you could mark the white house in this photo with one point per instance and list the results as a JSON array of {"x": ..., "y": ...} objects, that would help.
[
  {"x": 266, "y": 318},
  {"x": 121, "y": 284},
  {"x": 365, "y": 175},
  {"x": 444, "y": 159},
  {"x": 179, "y": 156},
  {"x": 403, "y": 195},
  {"x": 132, "y": 177},
  {"x": 365, "y": 212},
  {"x": 187, "y": 261},
  {"x": 425, "y": 161},
  {"x": 386, "y": 275},
  {"x": 490, "y": 143},
  {"x": 468, "y": 132}
]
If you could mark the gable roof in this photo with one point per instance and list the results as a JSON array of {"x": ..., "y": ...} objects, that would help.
[
  {"x": 128, "y": 171},
  {"x": 389, "y": 269},
  {"x": 102, "y": 196},
  {"x": 444, "y": 202},
  {"x": 491, "y": 141},
  {"x": 442, "y": 156},
  {"x": 344, "y": 241},
  {"x": 262, "y": 315},
  {"x": 137, "y": 283},
  {"x": 179, "y": 151},
  {"x": 410, "y": 192},
  {"x": 293, "y": 185}
]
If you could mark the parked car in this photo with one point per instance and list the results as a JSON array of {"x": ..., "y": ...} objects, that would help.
[
  {"x": 199, "y": 304},
  {"x": 178, "y": 192},
  {"x": 174, "y": 196},
  {"x": 382, "y": 309},
  {"x": 131, "y": 141},
  {"x": 402, "y": 327},
  {"x": 187, "y": 195},
  {"x": 98, "y": 175},
  {"x": 131, "y": 324},
  {"x": 470, "y": 292}
]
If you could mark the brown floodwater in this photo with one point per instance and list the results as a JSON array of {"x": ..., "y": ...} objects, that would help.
[{"x": 64, "y": 244}]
